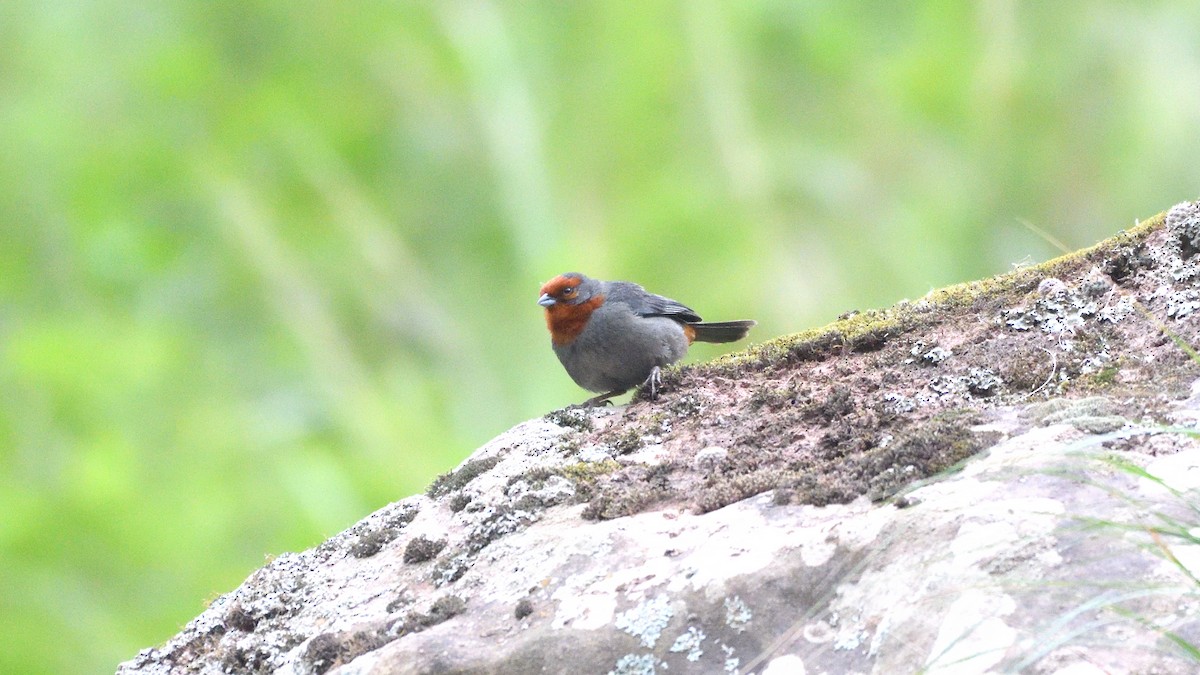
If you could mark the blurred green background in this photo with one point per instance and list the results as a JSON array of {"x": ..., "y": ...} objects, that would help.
[{"x": 268, "y": 266}]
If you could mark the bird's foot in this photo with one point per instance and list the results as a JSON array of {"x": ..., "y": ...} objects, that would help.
[{"x": 654, "y": 382}]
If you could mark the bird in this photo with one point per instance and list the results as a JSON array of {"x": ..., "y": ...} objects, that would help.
[{"x": 612, "y": 336}]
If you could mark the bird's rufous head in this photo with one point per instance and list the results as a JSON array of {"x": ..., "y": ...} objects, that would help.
[
  {"x": 569, "y": 300},
  {"x": 571, "y": 288}
]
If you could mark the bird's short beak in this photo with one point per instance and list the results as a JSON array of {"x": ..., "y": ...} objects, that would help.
[{"x": 546, "y": 300}]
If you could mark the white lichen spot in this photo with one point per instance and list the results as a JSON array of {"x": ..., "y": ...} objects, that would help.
[
  {"x": 1059, "y": 310},
  {"x": 737, "y": 614},
  {"x": 983, "y": 382},
  {"x": 849, "y": 638},
  {"x": 1179, "y": 303},
  {"x": 731, "y": 662},
  {"x": 690, "y": 642},
  {"x": 452, "y": 570},
  {"x": 1019, "y": 322},
  {"x": 1117, "y": 312},
  {"x": 898, "y": 403},
  {"x": 789, "y": 664},
  {"x": 635, "y": 664},
  {"x": 936, "y": 355},
  {"x": 593, "y": 454},
  {"x": 647, "y": 621}
]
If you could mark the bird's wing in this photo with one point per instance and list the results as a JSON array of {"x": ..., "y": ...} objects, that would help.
[{"x": 644, "y": 303}]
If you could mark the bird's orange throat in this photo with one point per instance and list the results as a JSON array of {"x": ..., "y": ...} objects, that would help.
[{"x": 566, "y": 322}]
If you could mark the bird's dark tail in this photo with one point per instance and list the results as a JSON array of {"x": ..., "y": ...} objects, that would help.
[{"x": 718, "y": 331}]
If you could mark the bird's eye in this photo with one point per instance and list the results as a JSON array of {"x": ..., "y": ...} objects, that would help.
[{"x": 568, "y": 290}]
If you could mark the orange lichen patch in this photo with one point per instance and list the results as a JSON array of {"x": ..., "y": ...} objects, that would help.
[
  {"x": 690, "y": 332},
  {"x": 567, "y": 321}
]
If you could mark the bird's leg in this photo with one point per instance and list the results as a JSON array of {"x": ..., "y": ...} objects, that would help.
[
  {"x": 602, "y": 399},
  {"x": 654, "y": 381}
]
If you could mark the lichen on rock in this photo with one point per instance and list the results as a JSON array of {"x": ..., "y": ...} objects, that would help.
[{"x": 960, "y": 480}]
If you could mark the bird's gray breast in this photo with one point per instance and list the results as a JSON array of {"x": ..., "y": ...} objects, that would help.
[{"x": 617, "y": 349}]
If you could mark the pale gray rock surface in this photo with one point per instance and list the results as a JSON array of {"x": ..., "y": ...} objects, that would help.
[
  {"x": 1069, "y": 541},
  {"x": 1040, "y": 555}
]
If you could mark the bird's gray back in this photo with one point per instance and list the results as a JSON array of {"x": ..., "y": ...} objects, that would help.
[{"x": 645, "y": 303}]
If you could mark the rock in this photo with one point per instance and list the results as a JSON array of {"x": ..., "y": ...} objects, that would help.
[{"x": 834, "y": 501}]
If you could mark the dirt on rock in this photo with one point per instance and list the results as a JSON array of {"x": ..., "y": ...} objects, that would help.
[{"x": 881, "y": 399}]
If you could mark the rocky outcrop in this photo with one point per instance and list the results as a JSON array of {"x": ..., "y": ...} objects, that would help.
[{"x": 1002, "y": 476}]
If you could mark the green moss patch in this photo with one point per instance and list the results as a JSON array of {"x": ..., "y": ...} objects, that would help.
[{"x": 882, "y": 398}]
